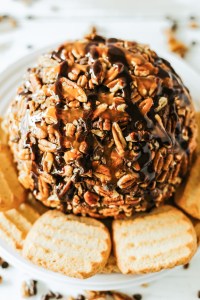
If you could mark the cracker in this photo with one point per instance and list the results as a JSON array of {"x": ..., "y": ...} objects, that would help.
[
  {"x": 197, "y": 230},
  {"x": 12, "y": 194},
  {"x": 75, "y": 246},
  {"x": 16, "y": 223},
  {"x": 188, "y": 196},
  {"x": 198, "y": 132},
  {"x": 158, "y": 240},
  {"x": 3, "y": 134}
]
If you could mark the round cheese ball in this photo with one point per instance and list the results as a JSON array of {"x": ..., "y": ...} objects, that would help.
[{"x": 102, "y": 127}]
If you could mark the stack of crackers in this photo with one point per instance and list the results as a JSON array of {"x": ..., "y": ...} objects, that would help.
[{"x": 81, "y": 247}]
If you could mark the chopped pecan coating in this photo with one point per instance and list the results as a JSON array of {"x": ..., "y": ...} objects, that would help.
[{"x": 102, "y": 127}]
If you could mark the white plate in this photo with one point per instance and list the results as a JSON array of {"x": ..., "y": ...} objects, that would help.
[{"x": 9, "y": 80}]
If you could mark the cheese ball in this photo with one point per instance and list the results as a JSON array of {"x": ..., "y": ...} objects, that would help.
[{"x": 102, "y": 127}]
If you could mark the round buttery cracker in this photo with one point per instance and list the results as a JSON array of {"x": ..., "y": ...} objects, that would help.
[
  {"x": 12, "y": 194},
  {"x": 161, "y": 239},
  {"x": 75, "y": 246}
]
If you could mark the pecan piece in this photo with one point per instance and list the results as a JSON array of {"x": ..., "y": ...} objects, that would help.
[
  {"x": 146, "y": 105},
  {"x": 50, "y": 115},
  {"x": 40, "y": 132},
  {"x": 47, "y": 161},
  {"x": 70, "y": 129},
  {"x": 119, "y": 139},
  {"x": 71, "y": 155},
  {"x": 35, "y": 82},
  {"x": 113, "y": 72},
  {"x": 99, "y": 110},
  {"x": 43, "y": 189},
  {"x": 127, "y": 181},
  {"x": 103, "y": 173},
  {"x": 46, "y": 146},
  {"x": 82, "y": 81},
  {"x": 91, "y": 198},
  {"x": 116, "y": 85},
  {"x": 71, "y": 91},
  {"x": 146, "y": 85}
]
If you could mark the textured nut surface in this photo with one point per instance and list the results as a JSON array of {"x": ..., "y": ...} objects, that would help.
[{"x": 102, "y": 127}]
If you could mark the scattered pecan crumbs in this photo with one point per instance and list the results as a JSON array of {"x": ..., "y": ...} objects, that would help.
[
  {"x": 51, "y": 295},
  {"x": 174, "y": 44},
  {"x": 193, "y": 23},
  {"x": 7, "y": 18},
  {"x": 145, "y": 285},
  {"x": 29, "y": 288},
  {"x": 1, "y": 279},
  {"x": 105, "y": 295},
  {"x": 186, "y": 266}
]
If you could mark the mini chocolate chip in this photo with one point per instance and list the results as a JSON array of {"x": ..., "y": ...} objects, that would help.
[
  {"x": 137, "y": 297},
  {"x": 5, "y": 16},
  {"x": 174, "y": 25},
  {"x": 198, "y": 294},
  {"x": 194, "y": 43},
  {"x": 5, "y": 265},
  {"x": 168, "y": 18},
  {"x": 29, "y": 46},
  {"x": 30, "y": 17},
  {"x": 186, "y": 266}
]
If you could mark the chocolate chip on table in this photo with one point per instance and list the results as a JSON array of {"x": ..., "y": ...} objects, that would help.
[
  {"x": 194, "y": 43},
  {"x": 198, "y": 295},
  {"x": 174, "y": 25},
  {"x": 3, "y": 263},
  {"x": 30, "y": 17},
  {"x": 192, "y": 18},
  {"x": 29, "y": 46},
  {"x": 137, "y": 297},
  {"x": 29, "y": 288},
  {"x": 186, "y": 266}
]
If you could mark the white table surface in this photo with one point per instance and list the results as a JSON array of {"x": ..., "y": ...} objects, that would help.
[{"x": 54, "y": 21}]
